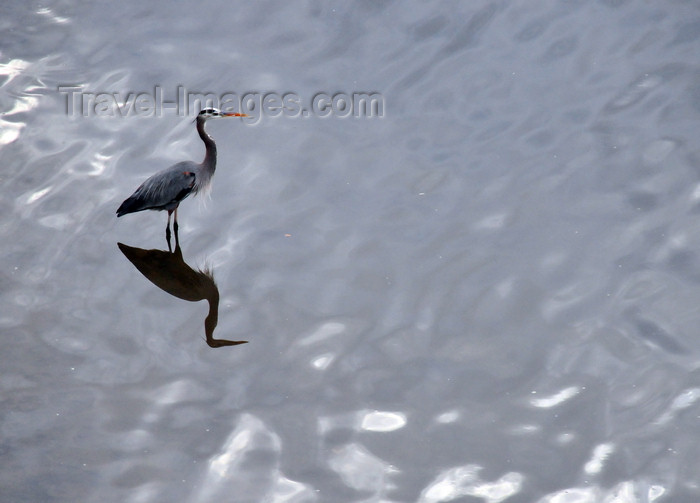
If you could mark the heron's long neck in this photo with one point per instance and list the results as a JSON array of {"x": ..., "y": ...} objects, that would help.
[{"x": 209, "y": 162}]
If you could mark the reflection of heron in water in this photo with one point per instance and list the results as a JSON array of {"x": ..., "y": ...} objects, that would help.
[
  {"x": 166, "y": 189},
  {"x": 169, "y": 272}
]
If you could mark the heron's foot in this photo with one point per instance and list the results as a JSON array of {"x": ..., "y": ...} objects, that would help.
[{"x": 220, "y": 343}]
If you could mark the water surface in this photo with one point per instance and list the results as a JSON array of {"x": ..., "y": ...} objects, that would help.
[{"x": 489, "y": 294}]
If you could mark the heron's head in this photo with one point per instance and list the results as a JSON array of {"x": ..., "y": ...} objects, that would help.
[{"x": 209, "y": 113}]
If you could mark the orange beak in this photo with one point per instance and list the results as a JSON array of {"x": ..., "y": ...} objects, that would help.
[{"x": 235, "y": 115}]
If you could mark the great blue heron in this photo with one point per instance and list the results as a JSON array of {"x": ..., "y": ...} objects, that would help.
[{"x": 166, "y": 189}]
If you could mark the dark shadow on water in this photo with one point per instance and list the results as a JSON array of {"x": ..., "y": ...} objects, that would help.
[{"x": 169, "y": 272}]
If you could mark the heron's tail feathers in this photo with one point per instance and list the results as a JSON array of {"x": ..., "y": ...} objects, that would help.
[{"x": 131, "y": 205}]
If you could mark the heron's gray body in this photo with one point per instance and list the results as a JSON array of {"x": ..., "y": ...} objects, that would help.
[{"x": 164, "y": 190}]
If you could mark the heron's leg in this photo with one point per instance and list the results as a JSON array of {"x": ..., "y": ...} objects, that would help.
[
  {"x": 167, "y": 231},
  {"x": 177, "y": 237}
]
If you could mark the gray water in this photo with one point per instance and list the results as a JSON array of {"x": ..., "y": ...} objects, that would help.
[{"x": 491, "y": 293}]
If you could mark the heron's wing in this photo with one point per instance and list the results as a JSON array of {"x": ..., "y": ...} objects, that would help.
[{"x": 162, "y": 191}]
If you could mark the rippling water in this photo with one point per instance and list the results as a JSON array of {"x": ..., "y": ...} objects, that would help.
[{"x": 489, "y": 294}]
